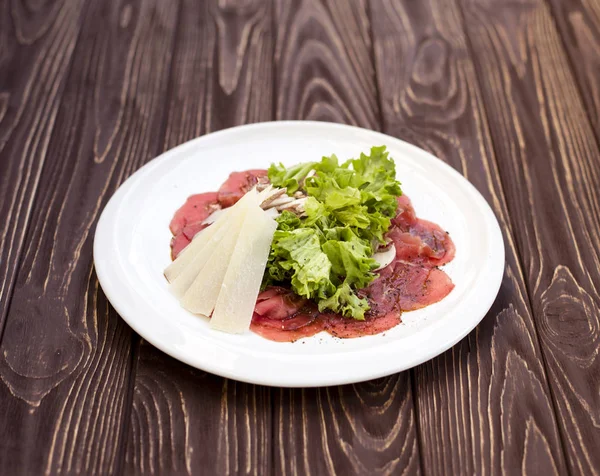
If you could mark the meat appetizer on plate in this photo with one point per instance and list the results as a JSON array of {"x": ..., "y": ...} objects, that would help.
[{"x": 319, "y": 246}]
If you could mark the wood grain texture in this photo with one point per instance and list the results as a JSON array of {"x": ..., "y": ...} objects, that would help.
[
  {"x": 484, "y": 406},
  {"x": 185, "y": 421},
  {"x": 323, "y": 62},
  {"x": 365, "y": 428},
  {"x": 222, "y": 71},
  {"x": 324, "y": 71},
  {"x": 550, "y": 166},
  {"x": 65, "y": 358},
  {"x": 36, "y": 45},
  {"x": 89, "y": 91},
  {"x": 578, "y": 22}
]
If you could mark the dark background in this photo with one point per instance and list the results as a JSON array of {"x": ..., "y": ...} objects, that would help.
[{"x": 505, "y": 91}]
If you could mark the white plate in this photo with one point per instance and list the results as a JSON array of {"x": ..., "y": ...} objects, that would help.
[{"x": 131, "y": 250}]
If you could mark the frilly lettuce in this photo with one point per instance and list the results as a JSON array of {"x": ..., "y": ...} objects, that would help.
[{"x": 327, "y": 254}]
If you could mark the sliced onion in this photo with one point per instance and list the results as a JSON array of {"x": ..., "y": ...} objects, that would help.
[
  {"x": 385, "y": 257},
  {"x": 272, "y": 212}
]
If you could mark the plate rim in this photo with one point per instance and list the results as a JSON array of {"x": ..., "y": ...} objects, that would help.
[{"x": 103, "y": 271}]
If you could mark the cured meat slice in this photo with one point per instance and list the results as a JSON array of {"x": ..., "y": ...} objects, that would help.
[
  {"x": 178, "y": 243},
  {"x": 238, "y": 184},
  {"x": 423, "y": 244},
  {"x": 191, "y": 230},
  {"x": 196, "y": 209},
  {"x": 405, "y": 215},
  {"x": 187, "y": 221},
  {"x": 278, "y": 303},
  {"x": 283, "y": 335},
  {"x": 417, "y": 240},
  {"x": 340, "y": 326},
  {"x": 282, "y": 316},
  {"x": 406, "y": 287}
]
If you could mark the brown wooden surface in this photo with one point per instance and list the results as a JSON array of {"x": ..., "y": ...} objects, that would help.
[
  {"x": 66, "y": 356},
  {"x": 578, "y": 21},
  {"x": 548, "y": 159},
  {"x": 504, "y": 91},
  {"x": 183, "y": 419},
  {"x": 325, "y": 71},
  {"x": 432, "y": 98}
]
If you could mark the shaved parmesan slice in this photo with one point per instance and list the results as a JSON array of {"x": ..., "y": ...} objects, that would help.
[
  {"x": 191, "y": 250},
  {"x": 201, "y": 239},
  {"x": 202, "y": 295},
  {"x": 213, "y": 216},
  {"x": 241, "y": 284},
  {"x": 184, "y": 280}
]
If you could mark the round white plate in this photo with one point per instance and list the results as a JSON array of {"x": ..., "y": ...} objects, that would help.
[{"x": 131, "y": 250}]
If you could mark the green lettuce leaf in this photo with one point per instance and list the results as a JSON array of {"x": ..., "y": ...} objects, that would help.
[
  {"x": 345, "y": 302},
  {"x": 326, "y": 255},
  {"x": 290, "y": 177}
]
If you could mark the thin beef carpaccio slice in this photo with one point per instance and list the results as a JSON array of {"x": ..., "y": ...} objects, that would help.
[
  {"x": 188, "y": 219},
  {"x": 283, "y": 316},
  {"x": 238, "y": 184},
  {"x": 405, "y": 287},
  {"x": 412, "y": 281},
  {"x": 347, "y": 328},
  {"x": 417, "y": 240}
]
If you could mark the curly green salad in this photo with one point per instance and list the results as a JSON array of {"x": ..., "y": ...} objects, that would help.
[{"x": 326, "y": 255}]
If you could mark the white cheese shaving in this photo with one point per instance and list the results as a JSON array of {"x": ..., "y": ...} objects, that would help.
[
  {"x": 184, "y": 280},
  {"x": 191, "y": 250},
  {"x": 201, "y": 296},
  {"x": 201, "y": 239},
  {"x": 241, "y": 284}
]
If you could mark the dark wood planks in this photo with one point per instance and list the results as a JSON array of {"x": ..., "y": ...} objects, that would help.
[
  {"x": 323, "y": 62},
  {"x": 185, "y": 421},
  {"x": 36, "y": 47},
  {"x": 578, "y": 22},
  {"x": 484, "y": 406},
  {"x": 325, "y": 72},
  {"x": 550, "y": 167},
  {"x": 365, "y": 428},
  {"x": 66, "y": 356}
]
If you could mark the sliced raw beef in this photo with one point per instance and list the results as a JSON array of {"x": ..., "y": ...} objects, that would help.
[
  {"x": 344, "y": 327},
  {"x": 238, "y": 184},
  {"x": 178, "y": 243},
  {"x": 406, "y": 287},
  {"x": 191, "y": 230},
  {"x": 188, "y": 219},
  {"x": 278, "y": 303},
  {"x": 405, "y": 215},
  {"x": 282, "y": 335},
  {"x": 412, "y": 281},
  {"x": 196, "y": 209},
  {"x": 417, "y": 240},
  {"x": 282, "y": 316}
]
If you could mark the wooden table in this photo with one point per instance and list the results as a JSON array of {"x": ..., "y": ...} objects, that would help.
[{"x": 507, "y": 92}]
